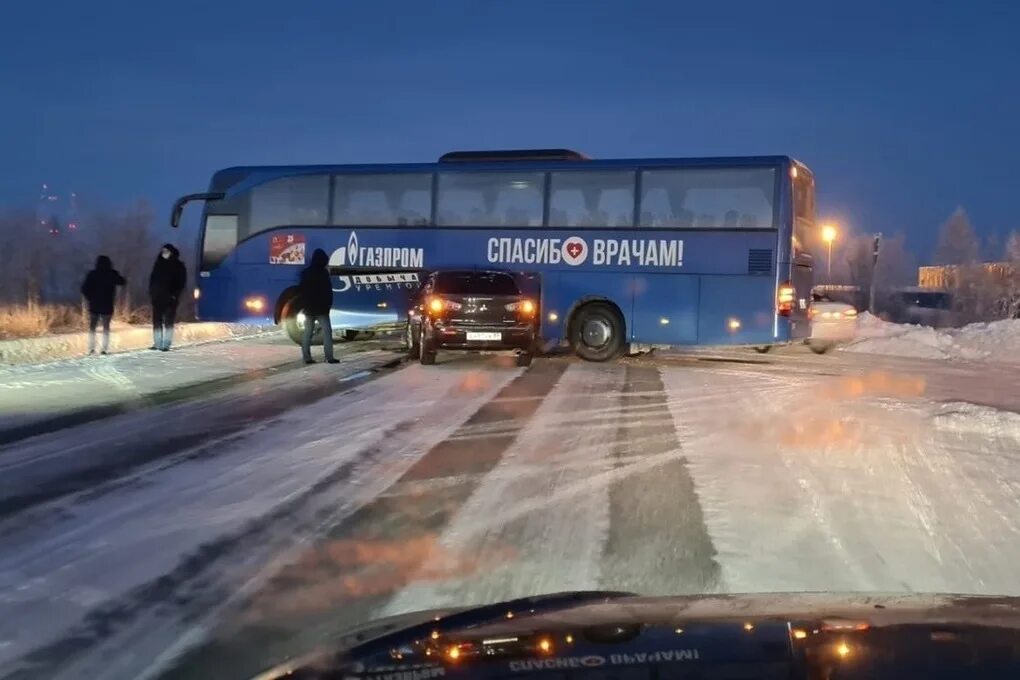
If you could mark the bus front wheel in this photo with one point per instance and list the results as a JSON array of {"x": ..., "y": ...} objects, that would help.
[
  {"x": 596, "y": 332},
  {"x": 294, "y": 326}
]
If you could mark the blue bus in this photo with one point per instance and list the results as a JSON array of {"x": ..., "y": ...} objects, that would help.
[{"x": 667, "y": 251}]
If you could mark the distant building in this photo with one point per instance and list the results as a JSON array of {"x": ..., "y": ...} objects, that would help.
[{"x": 947, "y": 276}]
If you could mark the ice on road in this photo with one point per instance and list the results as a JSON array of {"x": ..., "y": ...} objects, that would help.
[
  {"x": 105, "y": 549},
  {"x": 33, "y": 392},
  {"x": 852, "y": 483},
  {"x": 474, "y": 481}
]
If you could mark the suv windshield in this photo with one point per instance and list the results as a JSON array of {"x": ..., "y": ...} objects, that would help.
[{"x": 474, "y": 283}]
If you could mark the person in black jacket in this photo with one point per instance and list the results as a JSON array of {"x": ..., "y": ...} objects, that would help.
[
  {"x": 99, "y": 289},
  {"x": 315, "y": 293},
  {"x": 166, "y": 282}
]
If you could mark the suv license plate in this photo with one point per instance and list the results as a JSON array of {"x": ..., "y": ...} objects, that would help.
[{"x": 484, "y": 337}]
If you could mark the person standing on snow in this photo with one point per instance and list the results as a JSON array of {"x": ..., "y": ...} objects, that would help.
[
  {"x": 166, "y": 282},
  {"x": 315, "y": 294},
  {"x": 99, "y": 289}
]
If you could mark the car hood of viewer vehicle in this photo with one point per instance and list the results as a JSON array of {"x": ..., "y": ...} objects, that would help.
[{"x": 603, "y": 634}]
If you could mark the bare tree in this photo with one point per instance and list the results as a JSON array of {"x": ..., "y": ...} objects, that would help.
[
  {"x": 957, "y": 244},
  {"x": 1011, "y": 288},
  {"x": 896, "y": 267},
  {"x": 128, "y": 240}
]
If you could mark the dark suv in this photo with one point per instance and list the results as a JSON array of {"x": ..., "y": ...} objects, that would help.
[{"x": 471, "y": 310}]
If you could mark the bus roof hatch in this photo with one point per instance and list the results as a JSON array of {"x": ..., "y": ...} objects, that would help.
[{"x": 512, "y": 155}]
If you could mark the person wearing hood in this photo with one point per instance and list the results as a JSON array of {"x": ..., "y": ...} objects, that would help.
[
  {"x": 166, "y": 282},
  {"x": 100, "y": 289},
  {"x": 315, "y": 294}
]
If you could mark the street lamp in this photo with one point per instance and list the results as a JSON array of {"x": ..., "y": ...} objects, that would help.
[{"x": 829, "y": 235}]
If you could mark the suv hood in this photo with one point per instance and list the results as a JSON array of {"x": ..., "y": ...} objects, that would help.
[{"x": 579, "y": 635}]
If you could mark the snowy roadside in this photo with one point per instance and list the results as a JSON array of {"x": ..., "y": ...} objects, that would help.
[
  {"x": 67, "y": 345},
  {"x": 36, "y": 392},
  {"x": 996, "y": 341}
]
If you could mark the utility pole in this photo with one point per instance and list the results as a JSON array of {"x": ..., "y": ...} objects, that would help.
[{"x": 875, "y": 247}]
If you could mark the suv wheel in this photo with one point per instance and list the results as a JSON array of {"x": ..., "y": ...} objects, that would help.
[{"x": 426, "y": 355}]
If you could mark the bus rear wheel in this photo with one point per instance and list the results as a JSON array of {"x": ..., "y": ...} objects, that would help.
[{"x": 596, "y": 332}]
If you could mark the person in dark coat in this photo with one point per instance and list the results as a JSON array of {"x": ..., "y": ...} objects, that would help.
[
  {"x": 99, "y": 289},
  {"x": 315, "y": 293},
  {"x": 166, "y": 282}
]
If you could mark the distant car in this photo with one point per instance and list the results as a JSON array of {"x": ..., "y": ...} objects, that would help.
[
  {"x": 926, "y": 307},
  {"x": 471, "y": 310},
  {"x": 831, "y": 323}
]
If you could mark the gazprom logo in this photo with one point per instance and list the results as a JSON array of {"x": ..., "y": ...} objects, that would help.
[
  {"x": 388, "y": 257},
  {"x": 352, "y": 248}
]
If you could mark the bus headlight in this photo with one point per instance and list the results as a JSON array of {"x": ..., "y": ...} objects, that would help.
[
  {"x": 197, "y": 293},
  {"x": 256, "y": 305}
]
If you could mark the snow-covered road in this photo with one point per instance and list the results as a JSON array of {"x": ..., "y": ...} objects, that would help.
[
  {"x": 38, "y": 392},
  {"x": 475, "y": 481}
]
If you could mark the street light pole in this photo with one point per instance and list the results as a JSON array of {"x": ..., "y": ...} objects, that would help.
[{"x": 829, "y": 235}]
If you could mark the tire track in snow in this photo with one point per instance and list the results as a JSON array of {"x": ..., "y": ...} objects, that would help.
[
  {"x": 50, "y": 466},
  {"x": 658, "y": 543},
  {"x": 355, "y": 448},
  {"x": 543, "y": 512},
  {"x": 351, "y": 572}
]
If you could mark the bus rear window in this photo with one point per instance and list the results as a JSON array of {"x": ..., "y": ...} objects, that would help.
[
  {"x": 472, "y": 283},
  {"x": 804, "y": 196},
  {"x": 734, "y": 198}
]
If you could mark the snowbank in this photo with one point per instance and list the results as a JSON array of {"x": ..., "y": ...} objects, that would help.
[
  {"x": 997, "y": 341},
  {"x": 53, "y": 347}
]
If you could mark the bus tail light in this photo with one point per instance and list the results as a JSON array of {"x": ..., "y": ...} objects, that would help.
[{"x": 784, "y": 299}]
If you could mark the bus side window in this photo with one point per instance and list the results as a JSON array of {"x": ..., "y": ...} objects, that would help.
[
  {"x": 301, "y": 200},
  {"x": 592, "y": 199},
  {"x": 218, "y": 239},
  {"x": 491, "y": 199},
  {"x": 708, "y": 198},
  {"x": 382, "y": 200}
]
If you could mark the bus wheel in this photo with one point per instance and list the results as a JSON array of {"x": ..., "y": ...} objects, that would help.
[
  {"x": 763, "y": 349},
  {"x": 596, "y": 332},
  {"x": 350, "y": 335},
  {"x": 294, "y": 326},
  {"x": 819, "y": 347}
]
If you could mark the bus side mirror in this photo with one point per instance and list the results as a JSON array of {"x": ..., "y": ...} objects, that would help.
[
  {"x": 178, "y": 209},
  {"x": 175, "y": 217}
]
